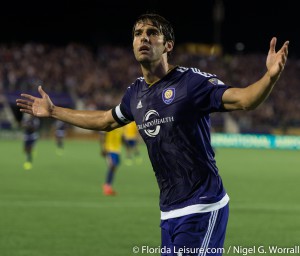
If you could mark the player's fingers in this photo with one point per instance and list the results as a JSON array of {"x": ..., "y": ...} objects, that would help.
[
  {"x": 24, "y": 106},
  {"x": 41, "y": 91},
  {"x": 26, "y": 111},
  {"x": 285, "y": 47},
  {"x": 24, "y": 102},
  {"x": 273, "y": 44},
  {"x": 27, "y": 96}
]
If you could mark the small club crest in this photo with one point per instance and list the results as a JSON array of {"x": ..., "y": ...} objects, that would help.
[{"x": 168, "y": 95}]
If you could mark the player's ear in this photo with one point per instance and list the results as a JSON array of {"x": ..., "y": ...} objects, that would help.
[{"x": 169, "y": 46}]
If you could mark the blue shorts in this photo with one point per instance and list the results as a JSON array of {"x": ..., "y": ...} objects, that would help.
[
  {"x": 130, "y": 143},
  {"x": 113, "y": 158},
  {"x": 200, "y": 234}
]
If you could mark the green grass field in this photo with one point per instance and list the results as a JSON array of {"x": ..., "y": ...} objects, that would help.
[{"x": 57, "y": 208}]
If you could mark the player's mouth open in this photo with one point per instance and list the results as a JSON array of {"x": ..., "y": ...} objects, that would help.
[{"x": 144, "y": 48}]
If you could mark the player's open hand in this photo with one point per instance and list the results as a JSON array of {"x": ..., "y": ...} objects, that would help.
[
  {"x": 276, "y": 60},
  {"x": 40, "y": 107}
]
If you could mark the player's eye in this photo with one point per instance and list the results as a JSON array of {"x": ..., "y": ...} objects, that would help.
[
  {"x": 137, "y": 33},
  {"x": 154, "y": 33}
]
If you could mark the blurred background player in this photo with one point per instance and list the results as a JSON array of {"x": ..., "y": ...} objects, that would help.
[
  {"x": 31, "y": 125},
  {"x": 60, "y": 132},
  {"x": 111, "y": 147},
  {"x": 130, "y": 138}
]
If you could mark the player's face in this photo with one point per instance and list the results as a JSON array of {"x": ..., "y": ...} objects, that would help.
[{"x": 148, "y": 43}]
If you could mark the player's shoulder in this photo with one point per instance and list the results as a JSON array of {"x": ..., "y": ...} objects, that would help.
[
  {"x": 195, "y": 76},
  {"x": 192, "y": 71},
  {"x": 138, "y": 82},
  {"x": 136, "y": 85}
]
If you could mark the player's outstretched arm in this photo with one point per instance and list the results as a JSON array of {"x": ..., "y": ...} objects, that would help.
[
  {"x": 253, "y": 95},
  {"x": 43, "y": 107}
]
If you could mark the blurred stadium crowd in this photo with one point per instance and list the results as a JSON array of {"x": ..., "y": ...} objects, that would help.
[{"x": 85, "y": 78}]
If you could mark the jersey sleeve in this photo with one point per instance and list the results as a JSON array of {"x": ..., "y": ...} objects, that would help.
[
  {"x": 122, "y": 113},
  {"x": 206, "y": 93}
]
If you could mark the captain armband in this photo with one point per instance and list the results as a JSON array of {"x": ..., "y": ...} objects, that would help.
[{"x": 119, "y": 117}]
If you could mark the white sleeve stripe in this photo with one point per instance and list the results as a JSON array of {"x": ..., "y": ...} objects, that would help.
[{"x": 121, "y": 117}]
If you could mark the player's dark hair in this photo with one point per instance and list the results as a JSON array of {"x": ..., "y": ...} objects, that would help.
[{"x": 164, "y": 26}]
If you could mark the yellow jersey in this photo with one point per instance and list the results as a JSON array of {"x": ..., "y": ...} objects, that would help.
[
  {"x": 113, "y": 140},
  {"x": 130, "y": 131}
]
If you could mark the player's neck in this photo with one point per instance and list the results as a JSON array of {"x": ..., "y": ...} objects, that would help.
[{"x": 154, "y": 73}]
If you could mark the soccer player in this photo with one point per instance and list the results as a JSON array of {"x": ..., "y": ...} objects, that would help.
[
  {"x": 130, "y": 137},
  {"x": 60, "y": 132},
  {"x": 171, "y": 106},
  {"x": 111, "y": 146},
  {"x": 31, "y": 125}
]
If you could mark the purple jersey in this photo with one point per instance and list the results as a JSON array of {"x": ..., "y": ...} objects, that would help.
[{"x": 172, "y": 116}]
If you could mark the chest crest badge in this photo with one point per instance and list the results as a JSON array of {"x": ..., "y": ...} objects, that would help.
[{"x": 168, "y": 95}]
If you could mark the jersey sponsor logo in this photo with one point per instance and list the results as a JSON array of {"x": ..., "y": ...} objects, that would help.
[
  {"x": 168, "y": 95},
  {"x": 215, "y": 81},
  {"x": 151, "y": 123},
  {"x": 152, "y": 132}
]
